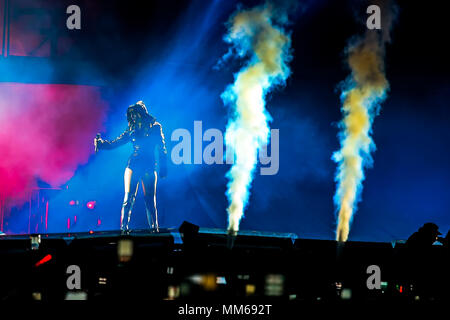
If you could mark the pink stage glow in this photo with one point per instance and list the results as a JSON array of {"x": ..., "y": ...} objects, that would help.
[
  {"x": 46, "y": 132},
  {"x": 91, "y": 205}
]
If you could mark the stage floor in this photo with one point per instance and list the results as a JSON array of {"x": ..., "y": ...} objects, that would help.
[{"x": 149, "y": 233}]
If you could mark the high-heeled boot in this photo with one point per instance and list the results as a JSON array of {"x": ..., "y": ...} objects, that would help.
[
  {"x": 152, "y": 215},
  {"x": 127, "y": 207}
]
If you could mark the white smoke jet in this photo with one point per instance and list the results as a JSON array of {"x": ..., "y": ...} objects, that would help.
[
  {"x": 258, "y": 36},
  {"x": 362, "y": 94}
]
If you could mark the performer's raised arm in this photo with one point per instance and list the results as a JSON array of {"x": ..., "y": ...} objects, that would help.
[{"x": 120, "y": 140}]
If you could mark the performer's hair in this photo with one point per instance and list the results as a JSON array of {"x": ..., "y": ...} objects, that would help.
[{"x": 140, "y": 108}]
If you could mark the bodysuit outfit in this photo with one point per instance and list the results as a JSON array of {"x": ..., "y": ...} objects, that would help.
[{"x": 143, "y": 163}]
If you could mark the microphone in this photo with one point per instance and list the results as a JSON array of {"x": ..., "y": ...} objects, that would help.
[{"x": 97, "y": 137}]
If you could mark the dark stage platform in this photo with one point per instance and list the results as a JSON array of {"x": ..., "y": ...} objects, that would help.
[{"x": 208, "y": 264}]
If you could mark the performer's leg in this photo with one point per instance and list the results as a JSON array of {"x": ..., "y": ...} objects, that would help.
[
  {"x": 131, "y": 187},
  {"x": 149, "y": 181}
]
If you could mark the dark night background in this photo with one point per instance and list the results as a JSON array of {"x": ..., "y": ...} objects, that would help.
[{"x": 164, "y": 52}]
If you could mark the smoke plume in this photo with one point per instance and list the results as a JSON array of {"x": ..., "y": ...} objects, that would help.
[
  {"x": 361, "y": 95},
  {"x": 257, "y": 35}
]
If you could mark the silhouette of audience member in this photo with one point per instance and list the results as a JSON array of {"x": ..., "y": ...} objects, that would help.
[
  {"x": 424, "y": 276},
  {"x": 424, "y": 237}
]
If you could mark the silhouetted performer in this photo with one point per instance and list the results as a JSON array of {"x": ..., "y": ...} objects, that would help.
[
  {"x": 424, "y": 237},
  {"x": 147, "y": 137}
]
